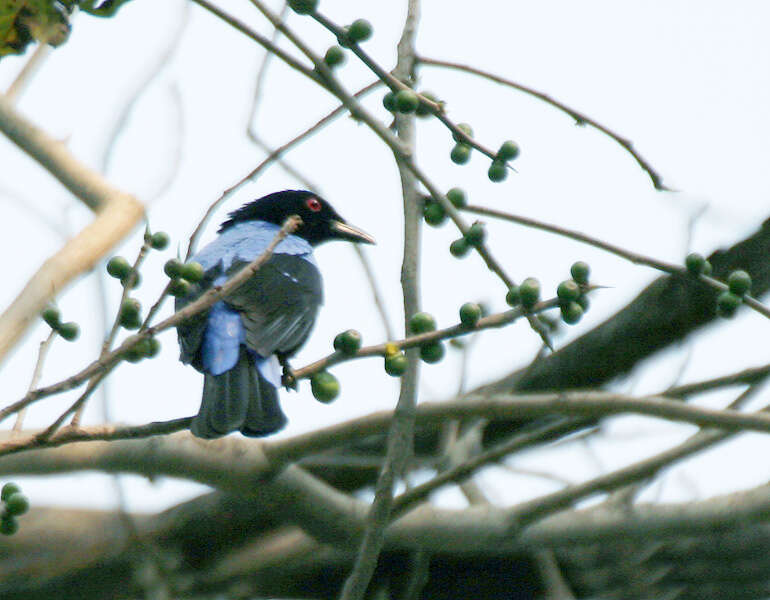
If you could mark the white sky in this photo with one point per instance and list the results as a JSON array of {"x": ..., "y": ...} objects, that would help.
[{"x": 687, "y": 82}]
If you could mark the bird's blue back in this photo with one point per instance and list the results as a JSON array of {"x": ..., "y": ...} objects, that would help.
[
  {"x": 224, "y": 331},
  {"x": 246, "y": 241}
]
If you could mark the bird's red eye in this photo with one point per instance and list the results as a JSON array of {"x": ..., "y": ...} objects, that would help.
[{"x": 313, "y": 204}]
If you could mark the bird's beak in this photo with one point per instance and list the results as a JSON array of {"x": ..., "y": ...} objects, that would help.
[{"x": 344, "y": 231}]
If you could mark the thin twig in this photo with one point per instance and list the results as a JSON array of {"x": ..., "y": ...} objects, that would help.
[
  {"x": 71, "y": 435},
  {"x": 110, "y": 338},
  {"x": 639, "y": 259},
  {"x": 150, "y": 75},
  {"x": 462, "y": 471},
  {"x": 36, "y": 374},
  {"x": 27, "y": 71},
  {"x": 401, "y": 434},
  {"x": 270, "y": 159},
  {"x": 527, "y": 512},
  {"x": 579, "y": 117},
  {"x": 396, "y": 83},
  {"x": 260, "y": 39},
  {"x": 260, "y": 79},
  {"x": 76, "y": 406}
]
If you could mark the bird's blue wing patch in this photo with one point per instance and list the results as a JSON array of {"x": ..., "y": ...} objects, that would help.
[
  {"x": 246, "y": 241},
  {"x": 222, "y": 339}
]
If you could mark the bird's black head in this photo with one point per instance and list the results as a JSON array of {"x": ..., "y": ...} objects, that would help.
[{"x": 320, "y": 222}]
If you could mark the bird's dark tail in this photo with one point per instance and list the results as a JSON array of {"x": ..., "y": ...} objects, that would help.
[{"x": 238, "y": 399}]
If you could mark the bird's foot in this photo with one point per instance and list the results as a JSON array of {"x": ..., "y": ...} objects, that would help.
[{"x": 288, "y": 380}]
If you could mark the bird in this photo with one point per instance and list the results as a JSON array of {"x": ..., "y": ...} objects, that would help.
[{"x": 243, "y": 340}]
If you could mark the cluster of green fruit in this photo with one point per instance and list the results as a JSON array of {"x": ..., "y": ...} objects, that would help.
[
  {"x": 573, "y": 301},
  {"x": 69, "y": 331},
  {"x": 461, "y": 153},
  {"x": 182, "y": 276},
  {"x": 570, "y": 293},
  {"x": 14, "y": 504},
  {"x": 119, "y": 268},
  {"x": 738, "y": 284},
  {"x": 358, "y": 31},
  {"x": 407, "y": 101},
  {"x": 434, "y": 214},
  {"x": 473, "y": 238}
]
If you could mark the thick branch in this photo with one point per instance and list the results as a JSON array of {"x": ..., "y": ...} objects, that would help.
[{"x": 117, "y": 215}]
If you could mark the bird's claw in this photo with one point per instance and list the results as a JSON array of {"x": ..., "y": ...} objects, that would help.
[{"x": 288, "y": 379}]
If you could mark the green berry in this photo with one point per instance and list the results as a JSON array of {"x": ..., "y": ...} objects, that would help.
[
  {"x": 8, "y": 525},
  {"x": 460, "y": 154},
  {"x": 136, "y": 280},
  {"x": 568, "y": 291},
  {"x": 130, "y": 308},
  {"x": 583, "y": 302},
  {"x": 571, "y": 312},
  {"x": 432, "y": 353},
  {"x": 529, "y": 292},
  {"x": 707, "y": 268},
  {"x": 192, "y": 272},
  {"x": 9, "y": 489},
  {"x": 406, "y": 101},
  {"x": 497, "y": 171},
  {"x": 130, "y": 321},
  {"x": 739, "y": 283},
  {"x": 695, "y": 263},
  {"x": 153, "y": 348},
  {"x": 173, "y": 268},
  {"x": 508, "y": 151},
  {"x": 360, "y": 30},
  {"x": 118, "y": 267},
  {"x": 159, "y": 240},
  {"x": 459, "y": 248},
  {"x": 348, "y": 342},
  {"x": 424, "y": 110},
  {"x": 422, "y": 322},
  {"x": 580, "y": 272},
  {"x": 389, "y": 101},
  {"x": 457, "y": 197},
  {"x": 470, "y": 313},
  {"x": 52, "y": 316},
  {"x": 434, "y": 213},
  {"x": 133, "y": 355},
  {"x": 395, "y": 364},
  {"x": 475, "y": 235},
  {"x": 727, "y": 304},
  {"x": 303, "y": 7},
  {"x": 466, "y": 129},
  {"x": 513, "y": 297},
  {"x": 334, "y": 56},
  {"x": 179, "y": 288},
  {"x": 16, "y": 504},
  {"x": 69, "y": 331},
  {"x": 325, "y": 386}
]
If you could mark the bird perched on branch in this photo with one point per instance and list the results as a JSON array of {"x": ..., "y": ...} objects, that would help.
[{"x": 241, "y": 342}]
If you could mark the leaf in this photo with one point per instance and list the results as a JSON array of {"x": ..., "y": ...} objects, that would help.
[{"x": 22, "y": 21}]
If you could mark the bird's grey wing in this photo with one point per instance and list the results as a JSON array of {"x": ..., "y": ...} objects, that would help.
[{"x": 279, "y": 304}]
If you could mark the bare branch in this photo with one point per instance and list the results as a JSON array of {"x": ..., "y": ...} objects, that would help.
[
  {"x": 580, "y": 118},
  {"x": 117, "y": 215}
]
